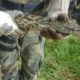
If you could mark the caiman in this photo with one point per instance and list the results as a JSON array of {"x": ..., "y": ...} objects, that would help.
[{"x": 48, "y": 28}]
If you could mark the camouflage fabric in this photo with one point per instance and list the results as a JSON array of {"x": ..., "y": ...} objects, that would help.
[
  {"x": 8, "y": 58},
  {"x": 30, "y": 54}
]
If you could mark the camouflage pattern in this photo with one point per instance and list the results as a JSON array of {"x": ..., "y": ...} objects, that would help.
[
  {"x": 8, "y": 58},
  {"x": 31, "y": 54},
  {"x": 20, "y": 61}
]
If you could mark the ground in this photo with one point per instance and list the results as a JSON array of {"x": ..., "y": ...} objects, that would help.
[{"x": 62, "y": 60}]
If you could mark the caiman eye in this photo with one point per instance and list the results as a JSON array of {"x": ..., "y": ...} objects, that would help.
[{"x": 62, "y": 17}]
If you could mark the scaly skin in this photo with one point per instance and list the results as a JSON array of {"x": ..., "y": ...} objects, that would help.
[{"x": 50, "y": 29}]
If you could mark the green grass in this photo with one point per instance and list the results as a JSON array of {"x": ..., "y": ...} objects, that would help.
[{"x": 62, "y": 60}]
